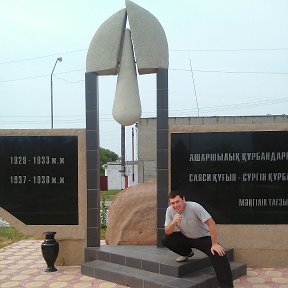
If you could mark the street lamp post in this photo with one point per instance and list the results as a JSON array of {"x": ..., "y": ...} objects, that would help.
[{"x": 51, "y": 82}]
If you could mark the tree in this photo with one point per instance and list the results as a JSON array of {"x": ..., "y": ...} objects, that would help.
[{"x": 106, "y": 156}]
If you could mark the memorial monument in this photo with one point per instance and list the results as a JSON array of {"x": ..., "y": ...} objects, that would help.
[{"x": 111, "y": 53}]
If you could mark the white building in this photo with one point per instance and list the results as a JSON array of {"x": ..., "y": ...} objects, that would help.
[{"x": 119, "y": 180}]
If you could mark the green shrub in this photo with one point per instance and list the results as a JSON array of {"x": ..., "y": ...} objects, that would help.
[
  {"x": 9, "y": 235},
  {"x": 103, "y": 214}
]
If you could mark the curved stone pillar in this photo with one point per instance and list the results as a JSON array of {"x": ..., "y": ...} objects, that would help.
[
  {"x": 105, "y": 48},
  {"x": 149, "y": 39}
]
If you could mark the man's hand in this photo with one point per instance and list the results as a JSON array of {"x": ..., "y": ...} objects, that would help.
[
  {"x": 177, "y": 218},
  {"x": 218, "y": 249},
  {"x": 169, "y": 229}
]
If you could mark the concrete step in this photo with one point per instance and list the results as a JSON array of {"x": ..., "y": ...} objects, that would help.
[
  {"x": 152, "y": 267},
  {"x": 136, "y": 278},
  {"x": 150, "y": 258}
]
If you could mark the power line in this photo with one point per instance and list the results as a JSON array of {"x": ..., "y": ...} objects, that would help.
[
  {"x": 25, "y": 78},
  {"x": 171, "y": 69},
  {"x": 41, "y": 57},
  {"x": 171, "y": 50},
  {"x": 68, "y": 81},
  {"x": 195, "y": 93},
  {"x": 109, "y": 117},
  {"x": 230, "y": 72},
  {"x": 242, "y": 72},
  {"x": 44, "y": 76},
  {"x": 229, "y": 50},
  {"x": 237, "y": 106}
]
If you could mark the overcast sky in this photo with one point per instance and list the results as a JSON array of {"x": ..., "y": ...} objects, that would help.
[{"x": 238, "y": 51}]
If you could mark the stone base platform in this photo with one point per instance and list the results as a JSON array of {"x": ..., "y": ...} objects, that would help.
[{"x": 153, "y": 267}]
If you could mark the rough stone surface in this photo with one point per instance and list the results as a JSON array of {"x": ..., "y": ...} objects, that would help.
[
  {"x": 132, "y": 216},
  {"x": 104, "y": 51},
  {"x": 149, "y": 39}
]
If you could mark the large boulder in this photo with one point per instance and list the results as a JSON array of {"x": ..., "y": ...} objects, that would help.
[{"x": 133, "y": 215}]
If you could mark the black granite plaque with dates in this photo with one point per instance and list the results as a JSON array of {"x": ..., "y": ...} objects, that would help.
[
  {"x": 239, "y": 177},
  {"x": 39, "y": 178}
]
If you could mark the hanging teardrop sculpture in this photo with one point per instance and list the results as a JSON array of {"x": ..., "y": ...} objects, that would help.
[{"x": 127, "y": 105}]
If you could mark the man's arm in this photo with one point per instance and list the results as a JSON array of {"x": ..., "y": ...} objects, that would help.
[
  {"x": 169, "y": 229},
  {"x": 216, "y": 247}
]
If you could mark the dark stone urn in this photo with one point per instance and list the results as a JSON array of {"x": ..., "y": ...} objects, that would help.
[{"x": 50, "y": 250}]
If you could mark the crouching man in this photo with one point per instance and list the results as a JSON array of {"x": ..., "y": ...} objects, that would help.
[{"x": 188, "y": 225}]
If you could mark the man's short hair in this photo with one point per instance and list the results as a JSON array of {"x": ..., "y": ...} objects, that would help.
[{"x": 175, "y": 193}]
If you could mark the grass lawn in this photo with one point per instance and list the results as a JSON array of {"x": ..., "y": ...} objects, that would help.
[
  {"x": 108, "y": 195},
  {"x": 10, "y": 235}
]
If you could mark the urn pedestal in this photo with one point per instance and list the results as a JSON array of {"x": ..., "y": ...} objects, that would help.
[{"x": 50, "y": 250}]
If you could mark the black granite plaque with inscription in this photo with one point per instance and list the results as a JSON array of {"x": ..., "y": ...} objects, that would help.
[
  {"x": 239, "y": 177},
  {"x": 39, "y": 178}
]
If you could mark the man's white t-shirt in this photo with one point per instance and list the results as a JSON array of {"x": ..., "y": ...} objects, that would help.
[{"x": 192, "y": 225}]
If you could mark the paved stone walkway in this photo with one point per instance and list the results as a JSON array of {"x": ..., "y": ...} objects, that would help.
[{"x": 22, "y": 265}]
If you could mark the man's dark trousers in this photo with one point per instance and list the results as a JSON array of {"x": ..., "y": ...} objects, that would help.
[{"x": 180, "y": 244}]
